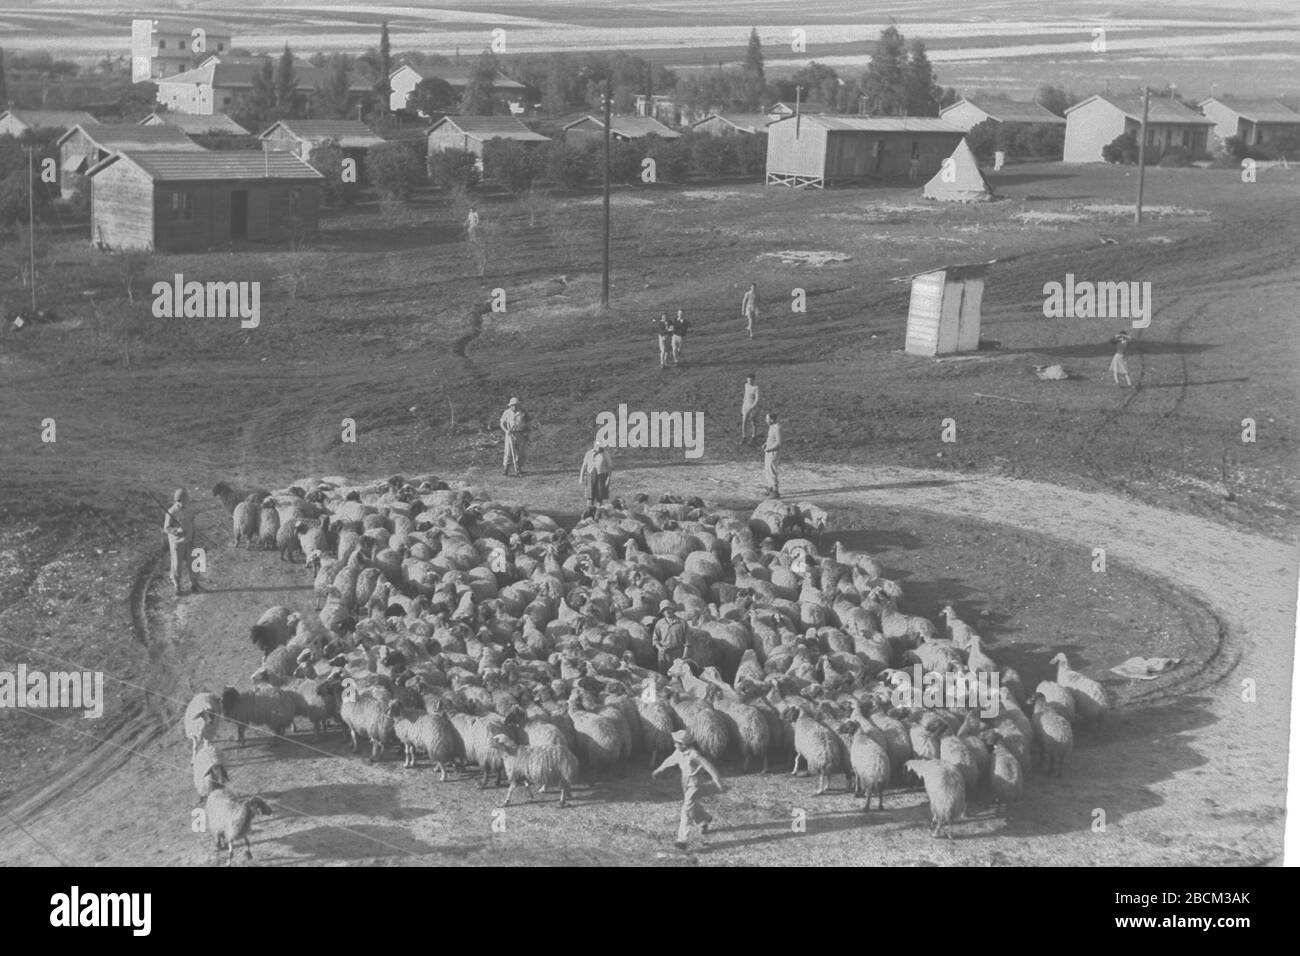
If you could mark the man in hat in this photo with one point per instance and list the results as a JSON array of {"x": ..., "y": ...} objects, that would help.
[
  {"x": 514, "y": 423},
  {"x": 772, "y": 455},
  {"x": 693, "y": 765},
  {"x": 669, "y": 635},
  {"x": 178, "y": 526}
]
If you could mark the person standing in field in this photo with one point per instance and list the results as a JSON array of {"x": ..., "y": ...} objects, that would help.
[
  {"x": 471, "y": 225},
  {"x": 694, "y": 765},
  {"x": 749, "y": 308},
  {"x": 663, "y": 331},
  {"x": 514, "y": 423},
  {"x": 771, "y": 455},
  {"x": 1119, "y": 363},
  {"x": 669, "y": 636},
  {"x": 679, "y": 326},
  {"x": 597, "y": 468},
  {"x": 178, "y": 526},
  {"x": 748, "y": 411}
]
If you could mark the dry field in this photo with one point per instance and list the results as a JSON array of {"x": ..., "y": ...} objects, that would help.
[{"x": 390, "y": 327}]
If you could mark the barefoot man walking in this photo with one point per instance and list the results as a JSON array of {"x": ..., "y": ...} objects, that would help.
[
  {"x": 749, "y": 308},
  {"x": 694, "y": 765},
  {"x": 771, "y": 454},
  {"x": 748, "y": 411}
]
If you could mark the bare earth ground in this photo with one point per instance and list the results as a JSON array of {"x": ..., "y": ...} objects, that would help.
[
  {"x": 1187, "y": 773},
  {"x": 390, "y": 326}
]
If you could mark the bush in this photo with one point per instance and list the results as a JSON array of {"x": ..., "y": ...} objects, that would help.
[
  {"x": 327, "y": 159},
  {"x": 1039, "y": 140},
  {"x": 227, "y": 140},
  {"x": 711, "y": 156},
  {"x": 1236, "y": 147},
  {"x": 511, "y": 163},
  {"x": 566, "y": 165},
  {"x": 982, "y": 139},
  {"x": 450, "y": 168},
  {"x": 751, "y": 153},
  {"x": 1176, "y": 157},
  {"x": 1122, "y": 149},
  {"x": 672, "y": 159},
  {"x": 395, "y": 170}
]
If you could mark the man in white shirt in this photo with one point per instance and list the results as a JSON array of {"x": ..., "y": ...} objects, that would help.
[
  {"x": 771, "y": 454},
  {"x": 178, "y": 526},
  {"x": 748, "y": 409},
  {"x": 749, "y": 308},
  {"x": 597, "y": 467},
  {"x": 514, "y": 423},
  {"x": 694, "y": 765}
]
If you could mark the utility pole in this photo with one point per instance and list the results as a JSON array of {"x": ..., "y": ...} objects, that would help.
[
  {"x": 1142, "y": 152},
  {"x": 31, "y": 225},
  {"x": 609, "y": 104}
]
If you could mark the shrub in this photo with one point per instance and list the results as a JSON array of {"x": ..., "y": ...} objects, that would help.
[
  {"x": 982, "y": 139},
  {"x": 568, "y": 166},
  {"x": 395, "y": 170},
  {"x": 327, "y": 159},
  {"x": 750, "y": 153},
  {"x": 672, "y": 159},
  {"x": 711, "y": 156},
  {"x": 1176, "y": 157},
  {"x": 449, "y": 168},
  {"x": 1122, "y": 149},
  {"x": 1041, "y": 140},
  {"x": 513, "y": 164},
  {"x": 227, "y": 140}
]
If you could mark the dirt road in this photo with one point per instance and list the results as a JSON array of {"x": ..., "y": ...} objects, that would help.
[{"x": 1193, "y": 778}]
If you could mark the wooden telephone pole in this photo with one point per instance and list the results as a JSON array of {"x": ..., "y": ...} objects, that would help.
[
  {"x": 604, "y": 276},
  {"x": 1142, "y": 152}
]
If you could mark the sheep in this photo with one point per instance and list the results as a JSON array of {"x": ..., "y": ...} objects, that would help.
[
  {"x": 539, "y": 766},
  {"x": 200, "y": 721},
  {"x": 272, "y": 629},
  {"x": 230, "y": 818},
  {"x": 599, "y": 740},
  {"x": 365, "y": 712},
  {"x": 316, "y": 700},
  {"x": 209, "y": 770},
  {"x": 657, "y": 726},
  {"x": 1008, "y": 778},
  {"x": 245, "y": 519},
  {"x": 820, "y": 748},
  {"x": 431, "y": 733},
  {"x": 869, "y": 762},
  {"x": 953, "y": 750},
  {"x": 1059, "y": 697},
  {"x": 231, "y": 497},
  {"x": 268, "y": 526},
  {"x": 748, "y": 730},
  {"x": 946, "y": 790},
  {"x": 287, "y": 541},
  {"x": 263, "y": 705},
  {"x": 1091, "y": 699},
  {"x": 1053, "y": 737}
]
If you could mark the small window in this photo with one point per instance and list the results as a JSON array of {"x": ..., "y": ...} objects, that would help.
[
  {"x": 221, "y": 48},
  {"x": 162, "y": 44},
  {"x": 182, "y": 209},
  {"x": 225, "y": 101}
]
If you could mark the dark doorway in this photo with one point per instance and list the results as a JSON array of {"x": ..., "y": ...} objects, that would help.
[{"x": 239, "y": 214}]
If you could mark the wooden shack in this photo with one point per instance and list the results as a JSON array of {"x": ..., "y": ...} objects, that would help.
[
  {"x": 172, "y": 201},
  {"x": 944, "y": 313},
  {"x": 624, "y": 128},
  {"x": 817, "y": 150},
  {"x": 471, "y": 132},
  {"x": 82, "y": 147}
]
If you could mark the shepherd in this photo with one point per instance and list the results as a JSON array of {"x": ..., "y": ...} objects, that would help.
[
  {"x": 178, "y": 526},
  {"x": 694, "y": 765},
  {"x": 597, "y": 467},
  {"x": 749, "y": 308},
  {"x": 1119, "y": 364},
  {"x": 772, "y": 455},
  {"x": 514, "y": 423}
]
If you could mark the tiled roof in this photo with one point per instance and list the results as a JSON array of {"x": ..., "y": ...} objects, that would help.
[
  {"x": 875, "y": 124},
  {"x": 1259, "y": 111},
  {"x": 140, "y": 137},
  {"x": 1007, "y": 110},
  {"x": 220, "y": 165},
  {"x": 52, "y": 119},
  {"x": 1162, "y": 109},
  {"x": 194, "y": 124},
  {"x": 491, "y": 127},
  {"x": 347, "y": 132}
]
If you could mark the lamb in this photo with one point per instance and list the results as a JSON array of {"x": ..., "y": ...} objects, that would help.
[
  {"x": 1092, "y": 701},
  {"x": 365, "y": 712},
  {"x": 272, "y": 630},
  {"x": 209, "y": 770},
  {"x": 820, "y": 748},
  {"x": 245, "y": 520},
  {"x": 230, "y": 818},
  {"x": 1053, "y": 736},
  {"x": 263, "y": 705},
  {"x": 430, "y": 733},
  {"x": 537, "y": 766},
  {"x": 200, "y": 721},
  {"x": 946, "y": 790}
]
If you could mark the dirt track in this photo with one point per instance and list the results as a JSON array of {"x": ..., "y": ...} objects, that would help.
[{"x": 1197, "y": 778}]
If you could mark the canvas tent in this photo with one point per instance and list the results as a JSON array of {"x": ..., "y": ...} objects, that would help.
[
  {"x": 943, "y": 315},
  {"x": 959, "y": 179}
]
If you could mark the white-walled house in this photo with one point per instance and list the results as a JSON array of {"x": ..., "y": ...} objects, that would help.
[{"x": 1097, "y": 121}]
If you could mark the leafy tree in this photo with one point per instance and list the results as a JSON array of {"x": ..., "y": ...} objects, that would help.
[
  {"x": 1041, "y": 140},
  {"x": 384, "y": 67},
  {"x": 566, "y": 165},
  {"x": 479, "y": 98},
  {"x": 921, "y": 94},
  {"x": 982, "y": 139},
  {"x": 1055, "y": 98},
  {"x": 257, "y": 109},
  {"x": 454, "y": 168},
  {"x": 1122, "y": 149},
  {"x": 711, "y": 156},
  {"x": 394, "y": 169},
  {"x": 750, "y": 152},
  {"x": 556, "y": 85},
  {"x": 327, "y": 159},
  {"x": 4, "y": 90},
  {"x": 331, "y": 99},
  {"x": 672, "y": 159},
  {"x": 511, "y": 163},
  {"x": 284, "y": 84},
  {"x": 753, "y": 77},
  {"x": 883, "y": 83},
  {"x": 433, "y": 95}
]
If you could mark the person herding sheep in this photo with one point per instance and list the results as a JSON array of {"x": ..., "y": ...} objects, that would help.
[
  {"x": 693, "y": 765},
  {"x": 669, "y": 636},
  {"x": 748, "y": 409},
  {"x": 749, "y": 308},
  {"x": 178, "y": 526},
  {"x": 597, "y": 467},
  {"x": 771, "y": 454},
  {"x": 514, "y": 423}
]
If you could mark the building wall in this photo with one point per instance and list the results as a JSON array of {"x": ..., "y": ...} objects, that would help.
[
  {"x": 121, "y": 208},
  {"x": 1163, "y": 137},
  {"x": 717, "y": 126},
  {"x": 791, "y": 155},
  {"x": 1226, "y": 120},
  {"x": 270, "y": 218},
  {"x": 281, "y": 140},
  {"x": 168, "y": 51},
  {"x": 584, "y": 133},
  {"x": 447, "y": 137},
  {"x": 76, "y": 148},
  {"x": 12, "y": 126},
  {"x": 963, "y": 114},
  {"x": 855, "y": 155},
  {"x": 1089, "y": 128},
  {"x": 401, "y": 84},
  {"x": 194, "y": 98}
]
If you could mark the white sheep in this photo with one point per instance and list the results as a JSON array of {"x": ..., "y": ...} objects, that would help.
[
  {"x": 263, "y": 705},
  {"x": 201, "y": 720},
  {"x": 230, "y": 818},
  {"x": 946, "y": 790},
  {"x": 1053, "y": 736},
  {"x": 209, "y": 770},
  {"x": 1091, "y": 699},
  {"x": 537, "y": 766}
]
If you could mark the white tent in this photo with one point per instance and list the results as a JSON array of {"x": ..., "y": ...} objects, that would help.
[{"x": 959, "y": 179}]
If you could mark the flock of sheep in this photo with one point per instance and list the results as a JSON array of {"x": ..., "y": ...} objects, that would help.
[{"x": 472, "y": 633}]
